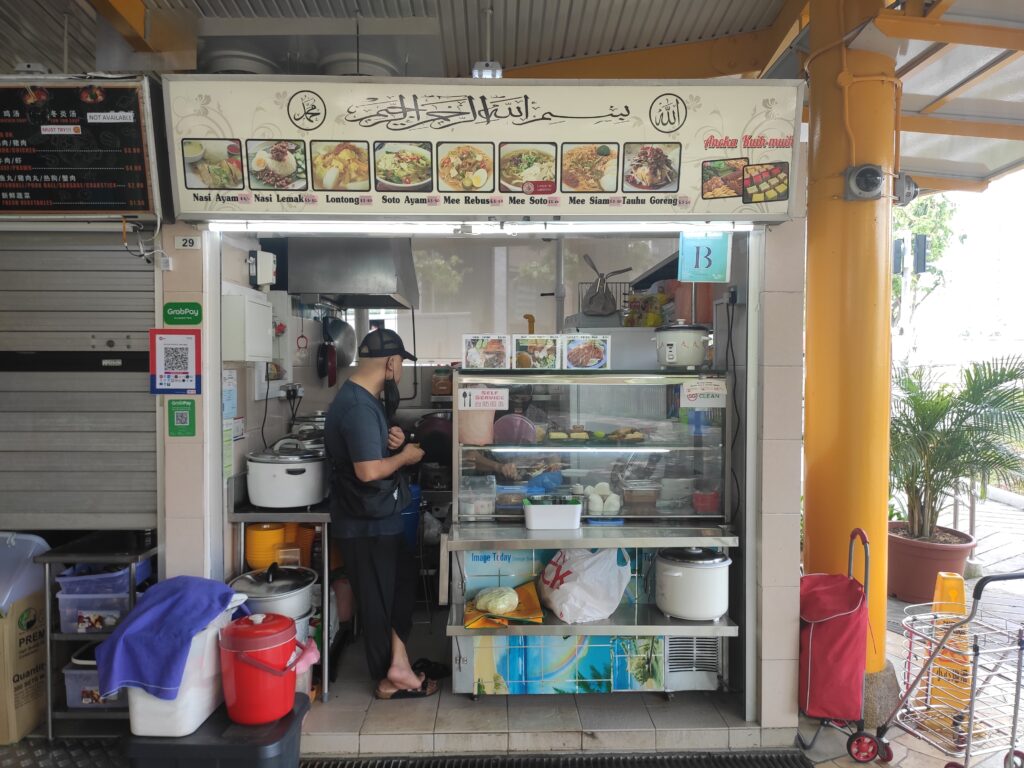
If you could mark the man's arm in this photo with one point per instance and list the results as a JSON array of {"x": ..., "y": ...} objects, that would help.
[{"x": 380, "y": 469}]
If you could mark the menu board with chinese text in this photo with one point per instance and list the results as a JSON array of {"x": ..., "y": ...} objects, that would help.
[{"x": 73, "y": 147}]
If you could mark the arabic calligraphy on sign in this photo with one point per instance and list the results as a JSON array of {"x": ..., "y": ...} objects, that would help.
[
  {"x": 306, "y": 110},
  {"x": 401, "y": 112}
]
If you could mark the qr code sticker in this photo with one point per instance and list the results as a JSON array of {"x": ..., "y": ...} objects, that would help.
[
  {"x": 181, "y": 418},
  {"x": 175, "y": 358}
]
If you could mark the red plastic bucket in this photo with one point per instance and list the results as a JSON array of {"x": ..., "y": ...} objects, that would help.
[{"x": 257, "y": 660}]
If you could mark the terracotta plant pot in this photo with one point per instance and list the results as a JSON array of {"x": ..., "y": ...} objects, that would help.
[{"x": 913, "y": 564}]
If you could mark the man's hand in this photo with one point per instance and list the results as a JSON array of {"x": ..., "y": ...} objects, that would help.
[
  {"x": 411, "y": 454},
  {"x": 396, "y": 437},
  {"x": 509, "y": 471}
]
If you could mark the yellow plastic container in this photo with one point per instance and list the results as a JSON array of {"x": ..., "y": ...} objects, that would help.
[{"x": 260, "y": 542}]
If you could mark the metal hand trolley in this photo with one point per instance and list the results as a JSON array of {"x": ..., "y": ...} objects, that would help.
[
  {"x": 833, "y": 653},
  {"x": 962, "y": 680}
]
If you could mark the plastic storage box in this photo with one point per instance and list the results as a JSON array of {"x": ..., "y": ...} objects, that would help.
[
  {"x": 82, "y": 683},
  {"x": 200, "y": 692},
  {"x": 90, "y": 613},
  {"x": 477, "y": 496},
  {"x": 87, "y": 579},
  {"x": 552, "y": 513}
]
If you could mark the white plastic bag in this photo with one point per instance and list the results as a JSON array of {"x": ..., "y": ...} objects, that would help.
[{"x": 583, "y": 584}]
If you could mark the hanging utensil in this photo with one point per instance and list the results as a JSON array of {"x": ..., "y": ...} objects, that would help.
[
  {"x": 327, "y": 355},
  {"x": 344, "y": 337},
  {"x": 599, "y": 300}
]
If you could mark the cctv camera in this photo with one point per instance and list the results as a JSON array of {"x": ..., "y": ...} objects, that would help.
[
  {"x": 904, "y": 189},
  {"x": 863, "y": 182}
]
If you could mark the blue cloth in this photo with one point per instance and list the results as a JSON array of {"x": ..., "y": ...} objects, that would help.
[{"x": 149, "y": 648}]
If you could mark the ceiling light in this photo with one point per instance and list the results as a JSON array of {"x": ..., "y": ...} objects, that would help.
[{"x": 487, "y": 69}]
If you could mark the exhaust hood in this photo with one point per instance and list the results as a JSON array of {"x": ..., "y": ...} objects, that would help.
[{"x": 355, "y": 273}]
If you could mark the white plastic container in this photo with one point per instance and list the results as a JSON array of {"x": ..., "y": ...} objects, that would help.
[
  {"x": 545, "y": 516},
  {"x": 200, "y": 692}
]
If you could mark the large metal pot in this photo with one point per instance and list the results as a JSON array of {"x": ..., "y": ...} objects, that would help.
[
  {"x": 317, "y": 419},
  {"x": 286, "y": 590},
  {"x": 692, "y": 583},
  {"x": 288, "y": 477},
  {"x": 682, "y": 346}
]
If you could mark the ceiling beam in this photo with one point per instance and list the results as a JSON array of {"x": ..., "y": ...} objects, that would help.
[
  {"x": 949, "y": 184},
  {"x": 978, "y": 129},
  {"x": 896, "y": 25},
  {"x": 128, "y": 17},
  {"x": 732, "y": 55},
  {"x": 973, "y": 79}
]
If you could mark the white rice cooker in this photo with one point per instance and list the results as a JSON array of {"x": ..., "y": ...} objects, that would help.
[
  {"x": 682, "y": 346},
  {"x": 692, "y": 583},
  {"x": 288, "y": 476}
]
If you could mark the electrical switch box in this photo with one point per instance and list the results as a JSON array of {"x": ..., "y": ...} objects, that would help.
[
  {"x": 262, "y": 268},
  {"x": 247, "y": 328}
]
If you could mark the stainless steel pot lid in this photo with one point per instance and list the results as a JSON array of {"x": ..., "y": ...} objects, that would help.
[
  {"x": 286, "y": 455},
  {"x": 698, "y": 556},
  {"x": 276, "y": 581},
  {"x": 680, "y": 325}
]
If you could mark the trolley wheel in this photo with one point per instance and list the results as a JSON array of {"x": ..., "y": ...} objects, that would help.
[
  {"x": 1014, "y": 759},
  {"x": 884, "y": 751},
  {"x": 862, "y": 747}
]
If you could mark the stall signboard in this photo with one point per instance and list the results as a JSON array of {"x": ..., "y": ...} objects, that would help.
[
  {"x": 704, "y": 258},
  {"x": 246, "y": 148},
  {"x": 74, "y": 147}
]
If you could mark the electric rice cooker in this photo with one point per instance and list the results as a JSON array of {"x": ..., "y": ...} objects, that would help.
[
  {"x": 682, "y": 346},
  {"x": 289, "y": 476},
  {"x": 692, "y": 583}
]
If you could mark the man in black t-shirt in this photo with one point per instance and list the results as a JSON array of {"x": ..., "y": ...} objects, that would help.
[{"x": 368, "y": 494}]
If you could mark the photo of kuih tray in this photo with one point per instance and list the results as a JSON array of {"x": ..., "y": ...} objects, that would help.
[{"x": 766, "y": 183}]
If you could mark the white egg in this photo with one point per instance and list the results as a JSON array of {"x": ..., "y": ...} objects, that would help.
[{"x": 331, "y": 177}]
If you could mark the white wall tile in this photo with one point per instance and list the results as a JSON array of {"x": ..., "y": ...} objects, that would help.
[
  {"x": 782, "y": 329},
  {"x": 780, "y": 551},
  {"x": 781, "y": 402},
  {"x": 779, "y": 693},
  {"x": 185, "y": 547},
  {"x": 780, "y": 623},
  {"x": 781, "y": 477},
  {"x": 785, "y": 255}
]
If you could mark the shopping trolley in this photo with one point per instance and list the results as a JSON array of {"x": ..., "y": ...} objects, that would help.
[
  {"x": 833, "y": 653},
  {"x": 962, "y": 680}
]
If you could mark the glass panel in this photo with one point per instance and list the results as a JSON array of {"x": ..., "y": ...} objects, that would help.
[{"x": 623, "y": 451}]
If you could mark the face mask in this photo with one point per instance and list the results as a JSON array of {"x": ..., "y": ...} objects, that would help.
[{"x": 392, "y": 396}]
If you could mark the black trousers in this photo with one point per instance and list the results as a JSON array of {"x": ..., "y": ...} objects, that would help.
[{"x": 382, "y": 572}]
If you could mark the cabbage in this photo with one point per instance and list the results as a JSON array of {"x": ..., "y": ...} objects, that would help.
[{"x": 499, "y": 600}]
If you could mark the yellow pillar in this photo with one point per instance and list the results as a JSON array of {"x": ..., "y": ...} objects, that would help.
[{"x": 848, "y": 292}]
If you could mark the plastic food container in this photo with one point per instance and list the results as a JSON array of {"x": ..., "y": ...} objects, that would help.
[
  {"x": 199, "y": 694},
  {"x": 477, "y": 496},
  {"x": 639, "y": 495},
  {"x": 90, "y": 613},
  {"x": 706, "y": 502},
  {"x": 87, "y": 579},
  {"x": 82, "y": 683},
  {"x": 552, "y": 512}
]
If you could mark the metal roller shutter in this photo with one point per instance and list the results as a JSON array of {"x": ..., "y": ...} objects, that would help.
[{"x": 77, "y": 422}]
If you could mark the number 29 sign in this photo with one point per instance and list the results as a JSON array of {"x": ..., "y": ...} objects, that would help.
[{"x": 705, "y": 258}]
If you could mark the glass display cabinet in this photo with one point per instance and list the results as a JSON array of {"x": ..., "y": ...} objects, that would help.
[{"x": 643, "y": 459}]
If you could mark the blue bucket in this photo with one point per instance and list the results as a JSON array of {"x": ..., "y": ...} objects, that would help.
[{"x": 411, "y": 517}]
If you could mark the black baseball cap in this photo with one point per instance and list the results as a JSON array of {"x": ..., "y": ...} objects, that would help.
[{"x": 384, "y": 343}]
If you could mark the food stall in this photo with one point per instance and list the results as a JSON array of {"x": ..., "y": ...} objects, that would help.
[{"x": 660, "y": 456}]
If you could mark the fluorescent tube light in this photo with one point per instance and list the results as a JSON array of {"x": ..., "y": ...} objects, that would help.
[
  {"x": 552, "y": 448},
  {"x": 299, "y": 227}
]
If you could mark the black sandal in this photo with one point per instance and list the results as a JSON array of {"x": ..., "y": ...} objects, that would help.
[{"x": 434, "y": 670}]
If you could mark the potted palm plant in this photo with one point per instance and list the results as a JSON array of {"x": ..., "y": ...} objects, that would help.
[{"x": 941, "y": 436}]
